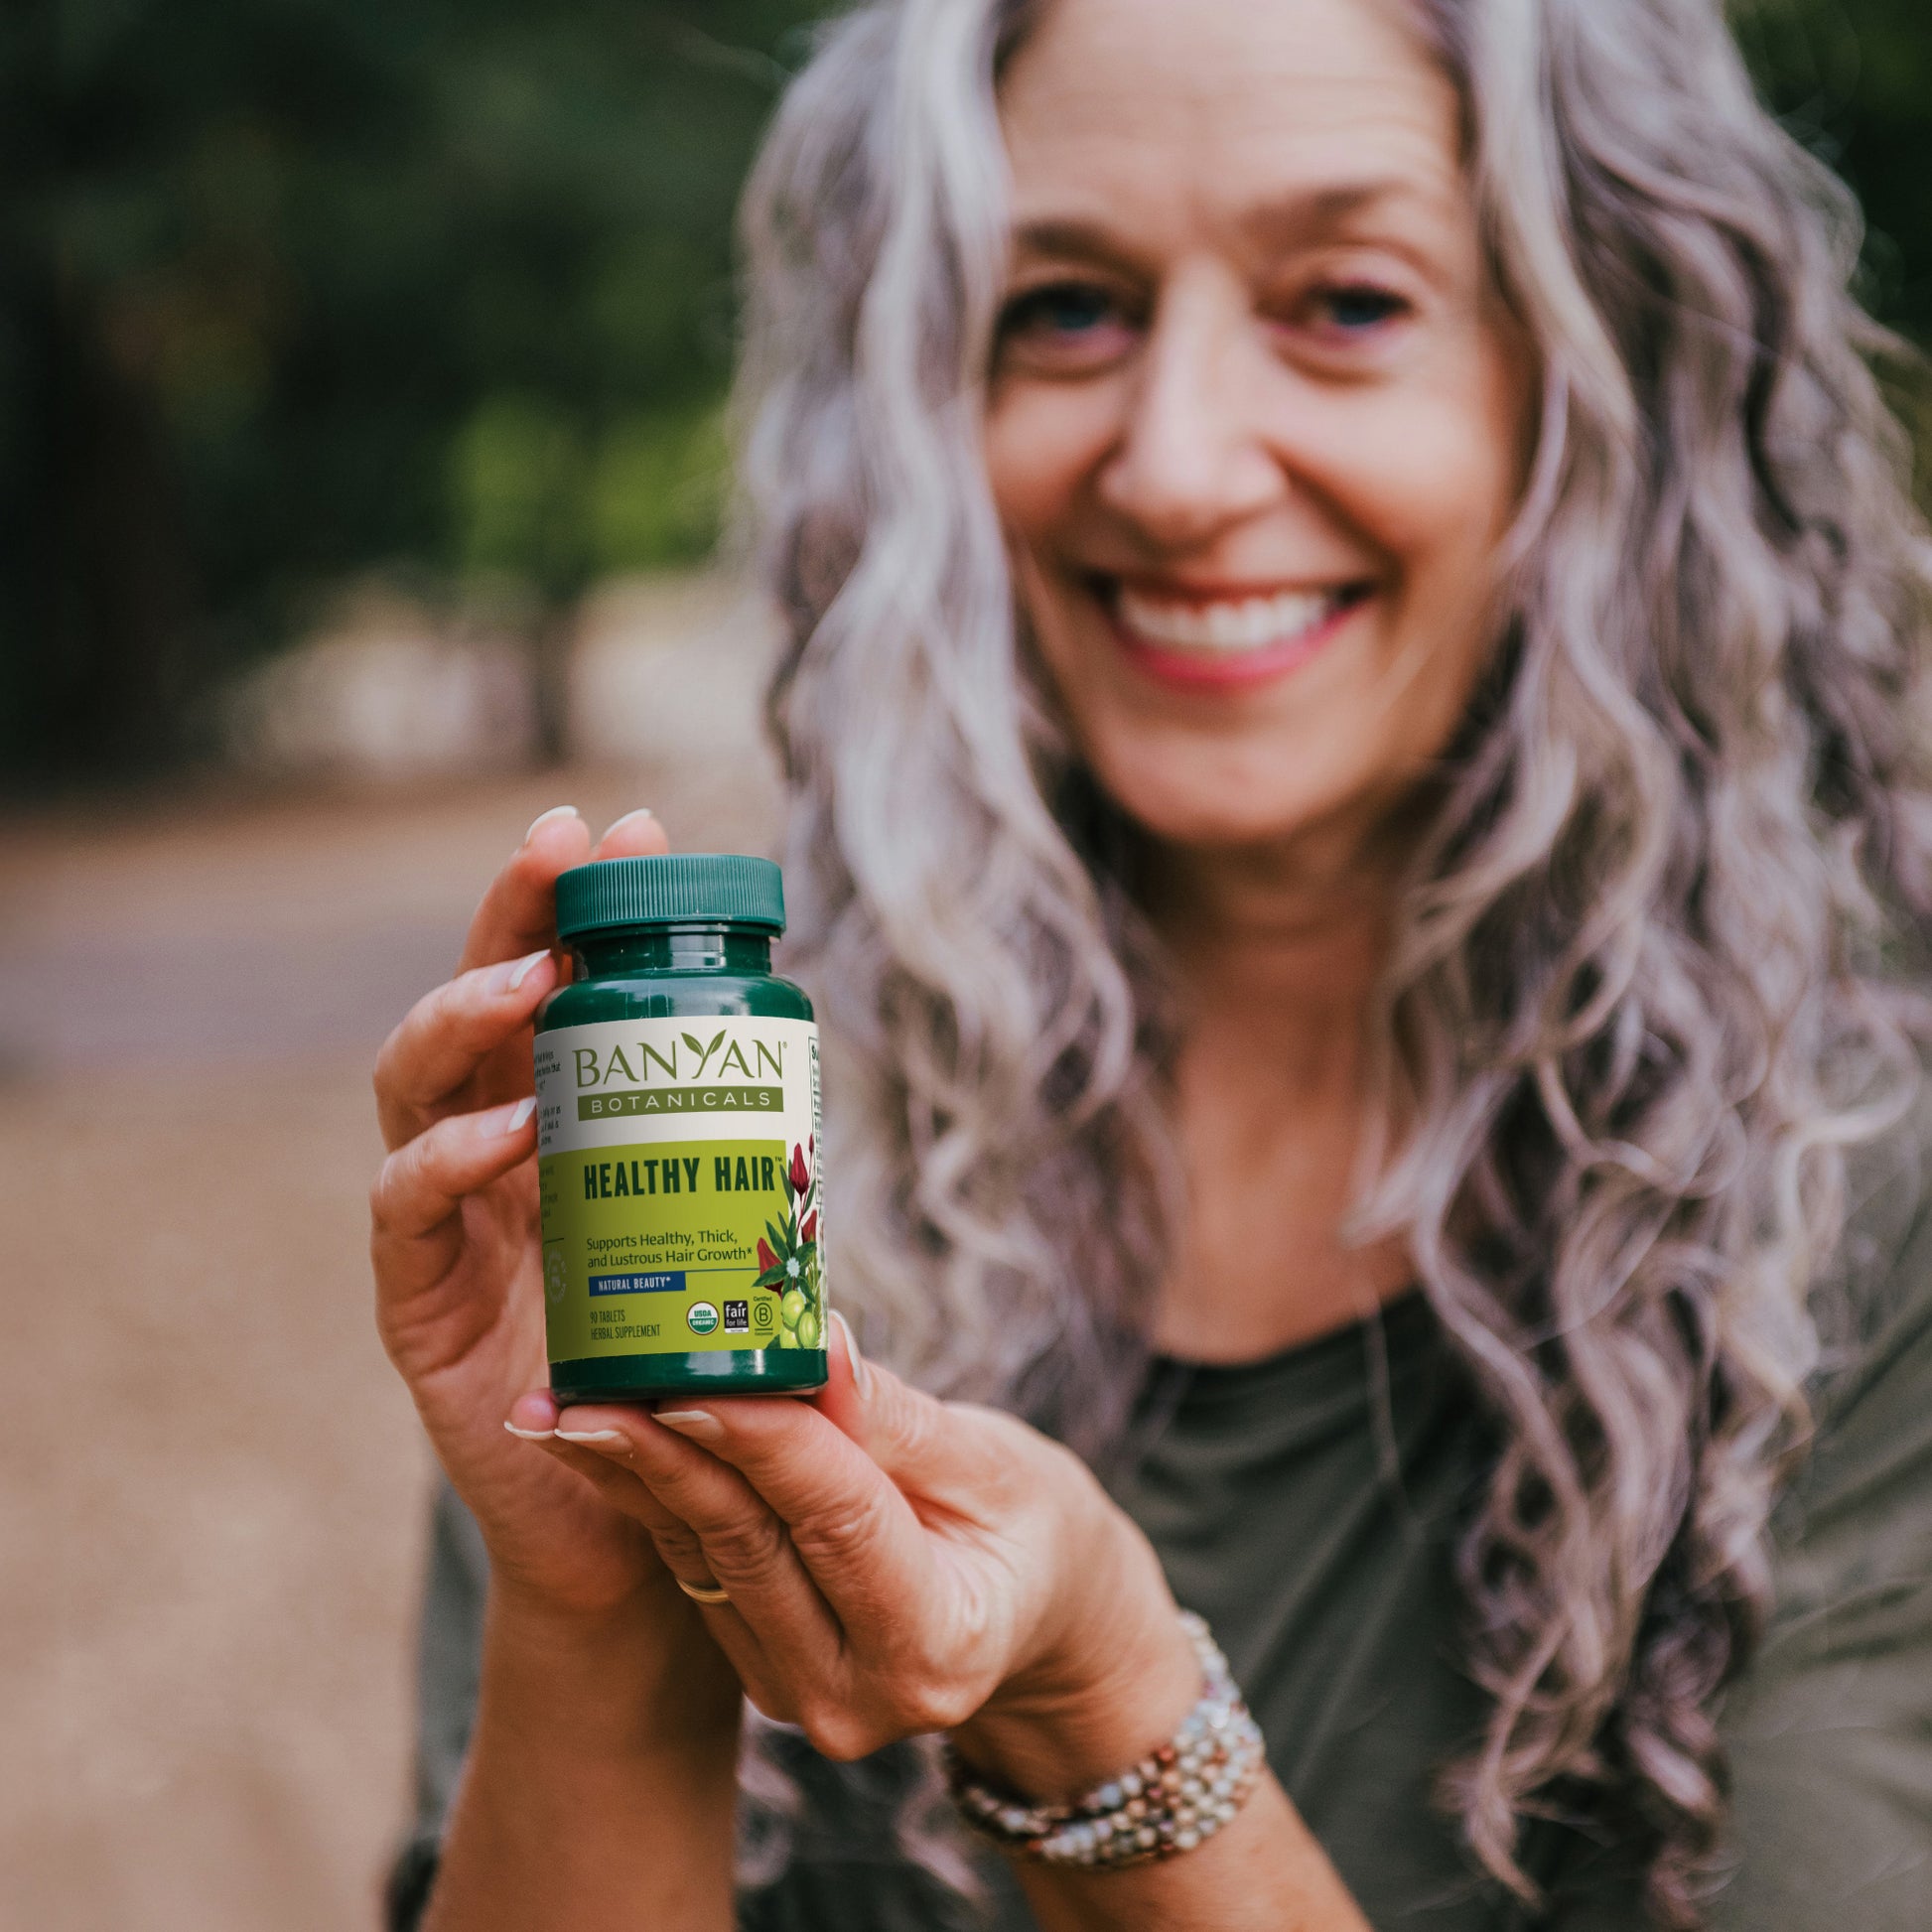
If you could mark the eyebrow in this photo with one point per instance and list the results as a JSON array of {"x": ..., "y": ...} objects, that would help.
[
  {"x": 1278, "y": 222},
  {"x": 1322, "y": 210}
]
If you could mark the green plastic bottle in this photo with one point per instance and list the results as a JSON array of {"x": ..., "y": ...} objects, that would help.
[{"x": 678, "y": 1138}]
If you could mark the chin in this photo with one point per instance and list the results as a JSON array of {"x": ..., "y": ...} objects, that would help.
[{"x": 1209, "y": 812}]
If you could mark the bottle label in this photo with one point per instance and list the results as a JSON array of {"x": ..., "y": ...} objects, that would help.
[{"x": 677, "y": 1174}]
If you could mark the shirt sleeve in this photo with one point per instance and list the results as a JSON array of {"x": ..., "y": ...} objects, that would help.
[
  {"x": 449, "y": 1662},
  {"x": 848, "y": 1863},
  {"x": 1829, "y": 1731}
]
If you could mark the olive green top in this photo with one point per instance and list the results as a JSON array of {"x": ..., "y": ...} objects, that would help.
[{"x": 1306, "y": 1504}]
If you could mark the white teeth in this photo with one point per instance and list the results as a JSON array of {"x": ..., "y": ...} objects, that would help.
[{"x": 1228, "y": 625}]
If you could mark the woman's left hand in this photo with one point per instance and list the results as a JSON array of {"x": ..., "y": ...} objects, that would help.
[{"x": 899, "y": 1565}]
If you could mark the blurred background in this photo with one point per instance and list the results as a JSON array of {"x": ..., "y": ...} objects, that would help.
[{"x": 361, "y": 467}]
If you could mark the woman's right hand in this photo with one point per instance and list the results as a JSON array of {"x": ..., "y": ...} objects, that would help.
[
  {"x": 601, "y": 1765},
  {"x": 455, "y": 1242}
]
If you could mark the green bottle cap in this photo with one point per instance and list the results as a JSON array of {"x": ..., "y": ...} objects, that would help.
[{"x": 682, "y": 889}]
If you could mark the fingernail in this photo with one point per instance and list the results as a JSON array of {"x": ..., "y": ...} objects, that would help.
[
  {"x": 700, "y": 1422},
  {"x": 512, "y": 974},
  {"x": 591, "y": 1438},
  {"x": 861, "y": 1372},
  {"x": 642, "y": 811},
  {"x": 520, "y": 1114},
  {"x": 530, "y": 1435},
  {"x": 544, "y": 818}
]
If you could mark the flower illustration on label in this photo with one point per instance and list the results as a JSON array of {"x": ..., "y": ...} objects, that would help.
[{"x": 788, "y": 1255}]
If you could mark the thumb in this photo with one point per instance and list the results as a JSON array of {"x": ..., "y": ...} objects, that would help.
[{"x": 898, "y": 1425}]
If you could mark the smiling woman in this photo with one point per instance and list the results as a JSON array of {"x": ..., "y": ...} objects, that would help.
[
  {"x": 1257, "y": 425},
  {"x": 1356, "y": 718}
]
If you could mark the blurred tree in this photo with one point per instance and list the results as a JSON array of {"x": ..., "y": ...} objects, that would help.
[
  {"x": 294, "y": 288},
  {"x": 1852, "y": 80}
]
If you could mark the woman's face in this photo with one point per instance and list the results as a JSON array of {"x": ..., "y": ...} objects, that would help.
[{"x": 1256, "y": 421}]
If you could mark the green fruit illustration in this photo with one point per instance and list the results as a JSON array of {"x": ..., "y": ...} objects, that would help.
[
  {"x": 808, "y": 1329},
  {"x": 791, "y": 1307}
]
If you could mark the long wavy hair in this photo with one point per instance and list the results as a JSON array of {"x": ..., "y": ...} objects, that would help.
[{"x": 1638, "y": 1005}]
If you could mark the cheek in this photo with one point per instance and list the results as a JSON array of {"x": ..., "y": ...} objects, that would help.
[
  {"x": 1443, "y": 511},
  {"x": 1432, "y": 484},
  {"x": 1039, "y": 444},
  {"x": 1429, "y": 466}
]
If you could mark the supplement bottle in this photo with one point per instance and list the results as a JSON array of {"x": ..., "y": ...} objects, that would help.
[{"x": 678, "y": 1138}]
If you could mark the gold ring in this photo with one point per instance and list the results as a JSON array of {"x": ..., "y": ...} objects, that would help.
[{"x": 702, "y": 1592}]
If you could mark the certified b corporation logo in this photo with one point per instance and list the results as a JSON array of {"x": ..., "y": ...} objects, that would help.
[{"x": 701, "y": 1318}]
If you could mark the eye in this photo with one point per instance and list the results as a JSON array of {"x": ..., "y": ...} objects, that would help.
[
  {"x": 1356, "y": 308},
  {"x": 1067, "y": 324},
  {"x": 1063, "y": 308}
]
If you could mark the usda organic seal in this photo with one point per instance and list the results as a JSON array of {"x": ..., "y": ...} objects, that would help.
[{"x": 702, "y": 1316}]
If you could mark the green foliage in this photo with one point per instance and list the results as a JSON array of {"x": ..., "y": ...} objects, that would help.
[
  {"x": 517, "y": 475},
  {"x": 656, "y": 489},
  {"x": 536, "y": 496},
  {"x": 291, "y": 288},
  {"x": 1852, "y": 80}
]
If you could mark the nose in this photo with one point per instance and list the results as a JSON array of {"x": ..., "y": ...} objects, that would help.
[{"x": 1191, "y": 464}]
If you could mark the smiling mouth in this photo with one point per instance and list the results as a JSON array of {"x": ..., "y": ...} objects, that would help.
[{"x": 1226, "y": 635}]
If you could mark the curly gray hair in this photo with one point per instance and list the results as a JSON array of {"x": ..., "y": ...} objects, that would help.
[{"x": 1637, "y": 1009}]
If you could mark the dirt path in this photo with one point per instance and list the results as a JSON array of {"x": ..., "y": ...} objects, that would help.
[{"x": 211, "y": 1483}]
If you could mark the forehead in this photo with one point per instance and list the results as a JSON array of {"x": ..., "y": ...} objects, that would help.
[{"x": 1205, "y": 113}]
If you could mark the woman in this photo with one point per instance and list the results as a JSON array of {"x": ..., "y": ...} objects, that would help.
[{"x": 1358, "y": 641}]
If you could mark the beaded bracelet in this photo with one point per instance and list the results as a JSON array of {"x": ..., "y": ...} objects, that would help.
[{"x": 1175, "y": 1798}]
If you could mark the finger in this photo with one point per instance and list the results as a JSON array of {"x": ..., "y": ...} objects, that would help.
[
  {"x": 533, "y": 1416},
  {"x": 416, "y": 1201},
  {"x": 636, "y": 835},
  {"x": 446, "y": 1035},
  {"x": 676, "y": 1541},
  {"x": 740, "y": 1542},
  {"x": 534, "y": 1419},
  {"x": 519, "y": 909},
  {"x": 851, "y": 1528},
  {"x": 769, "y": 1673},
  {"x": 903, "y": 1429}
]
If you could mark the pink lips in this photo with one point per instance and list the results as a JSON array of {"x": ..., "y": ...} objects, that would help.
[{"x": 1200, "y": 672}]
